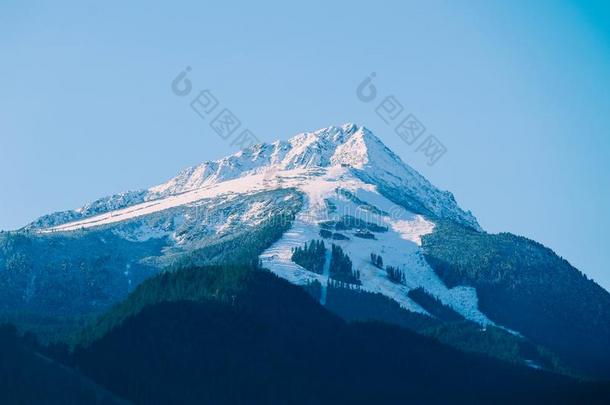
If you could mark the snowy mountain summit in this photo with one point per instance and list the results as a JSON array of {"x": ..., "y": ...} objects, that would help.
[
  {"x": 346, "y": 187},
  {"x": 349, "y": 146}
]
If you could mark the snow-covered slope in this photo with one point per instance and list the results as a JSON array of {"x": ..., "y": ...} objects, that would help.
[
  {"x": 335, "y": 193},
  {"x": 342, "y": 172}
]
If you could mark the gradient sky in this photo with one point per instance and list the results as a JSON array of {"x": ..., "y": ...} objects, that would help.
[{"x": 519, "y": 93}]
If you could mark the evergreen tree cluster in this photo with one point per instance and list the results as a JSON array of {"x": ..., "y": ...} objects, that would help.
[
  {"x": 377, "y": 260},
  {"x": 311, "y": 256},
  {"x": 341, "y": 267},
  {"x": 395, "y": 274},
  {"x": 241, "y": 249}
]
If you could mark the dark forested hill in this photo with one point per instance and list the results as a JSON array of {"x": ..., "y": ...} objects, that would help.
[
  {"x": 527, "y": 287},
  {"x": 269, "y": 342}
]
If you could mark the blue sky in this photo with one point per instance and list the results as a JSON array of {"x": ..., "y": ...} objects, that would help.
[{"x": 519, "y": 93}]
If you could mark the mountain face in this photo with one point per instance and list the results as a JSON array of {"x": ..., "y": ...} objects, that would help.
[
  {"x": 331, "y": 210},
  {"x": 346, "y": 168}
]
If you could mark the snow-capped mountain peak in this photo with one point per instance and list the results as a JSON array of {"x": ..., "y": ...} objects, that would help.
[
  {"x": 321, "y": 148},
  {"x": 349, "y": 145}
]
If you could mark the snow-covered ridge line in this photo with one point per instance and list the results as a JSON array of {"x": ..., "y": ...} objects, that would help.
[
  {"x": 349, "y": 146},
  {"x": 242, "y": 185}
]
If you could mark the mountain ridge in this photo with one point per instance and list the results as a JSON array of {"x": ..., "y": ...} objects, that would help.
[{"x": 349, "y": 145}]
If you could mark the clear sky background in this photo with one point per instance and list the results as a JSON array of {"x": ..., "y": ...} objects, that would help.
[{"x": 518, "y": 91}]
